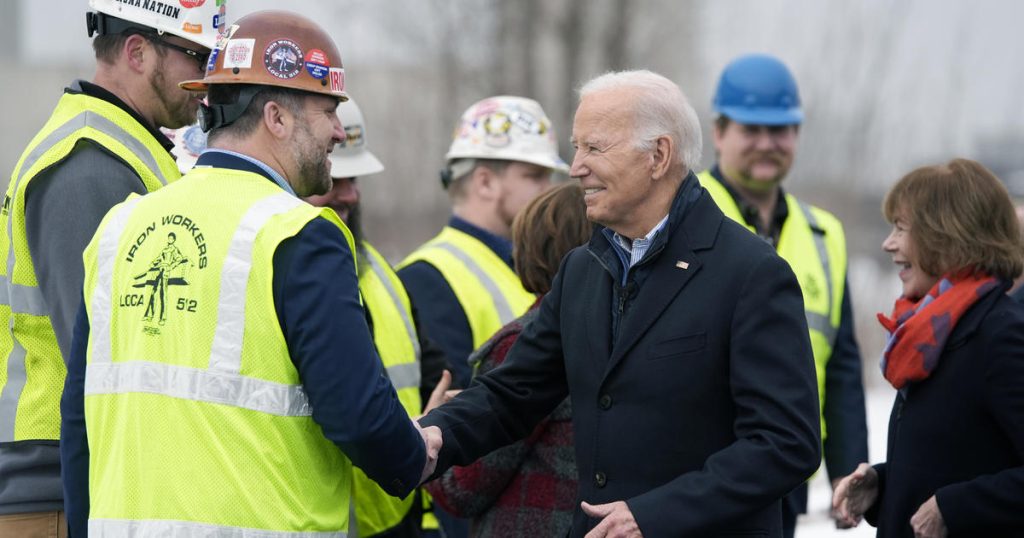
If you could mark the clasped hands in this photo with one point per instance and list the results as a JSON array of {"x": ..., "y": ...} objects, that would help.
[{"x": 432, "y": 438}]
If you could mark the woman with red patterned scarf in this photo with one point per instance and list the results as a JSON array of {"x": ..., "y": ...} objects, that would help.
[
  {"x": 528, "y": 488},
  {"x": 955, "y": 354}
]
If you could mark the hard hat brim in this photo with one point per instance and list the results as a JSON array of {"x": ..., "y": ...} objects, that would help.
[
  {"x": 762, "y": 116},
  {"x": 557, "y": 165},
  {"x": 202, "y": 85},
  {"x": 359, "y": 164}
]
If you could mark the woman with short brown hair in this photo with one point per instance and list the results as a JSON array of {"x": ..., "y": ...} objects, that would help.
[{"x": 955, "y": 460}]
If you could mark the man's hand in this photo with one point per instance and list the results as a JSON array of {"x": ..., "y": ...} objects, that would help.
[
  {"x": 433, "y": 440},
  {"x": 854, "y": 495},
  {"x": 927, "y": 521},
  {"x": 616, "y": 520},
  {"x": 440, "y": 394}
]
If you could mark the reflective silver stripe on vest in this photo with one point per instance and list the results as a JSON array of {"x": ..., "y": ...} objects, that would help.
[
  {"x": 382, "y": 274},
  {"x": 100, "y": 302},
  {"x": 822, "y": 324},
  {"x": 197, "y": 385},
  {"x": 23, "y": 299},
  {"x": 221, "y": 382},
  {"x": 505, "y": 314},
  {"x": 226, "y": 352},
  {"x": 816, "y": 321},
  {"x": 126, "y": 528},
  {"x": 405, "y": 375},
  {"x": 11, "y": 392}
]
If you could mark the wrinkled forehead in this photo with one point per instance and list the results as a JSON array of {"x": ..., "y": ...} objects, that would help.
[{"x": 603, "y": 114}]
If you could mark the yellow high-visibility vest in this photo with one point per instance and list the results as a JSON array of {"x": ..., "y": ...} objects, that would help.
[
  {"x": 32, "y": 370},
  {"x": 813, "y": 242},
  {"x": 394, "y": 335},
  {"x": 196, "y": 418},
  {"x": 489, "y": 291}
]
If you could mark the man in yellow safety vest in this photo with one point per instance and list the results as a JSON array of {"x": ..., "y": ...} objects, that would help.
[
  {"x": 243, "y": 409},
  {"x": 755, "y": 137},
  {"x": 101, "y": 143}
]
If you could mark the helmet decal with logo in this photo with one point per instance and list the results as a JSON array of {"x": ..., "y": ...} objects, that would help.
[
  {"x": 506, "y": 128},
  {"x": 199, "y": 21},
  {"x": 352, "y": 157}
]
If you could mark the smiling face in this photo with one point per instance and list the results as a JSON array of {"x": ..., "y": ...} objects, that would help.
[
  {"x": 174, "y": 106},
  {"x": 900, "y": 245},
  {"x": 317, "y": 130},
  {"x": 614, "y": 173},
  {"x": 755, "y": 157}
]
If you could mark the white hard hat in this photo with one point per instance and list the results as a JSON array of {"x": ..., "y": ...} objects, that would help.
[
  {"x": 506, "y": 128},
  {"x": 351, "y": 157},
  {"x": 198, "y": 21},
  {"x": 189, "y": 142}
]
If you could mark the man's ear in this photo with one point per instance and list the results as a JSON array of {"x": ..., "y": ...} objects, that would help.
[
  {"x": 662, "y": 156},
  {"x": 137, "y": 51},
  {"x": 278, "y": 120},
  {"x": 485, "y": 183}
]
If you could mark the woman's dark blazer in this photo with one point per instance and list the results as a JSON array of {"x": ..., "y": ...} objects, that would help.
[{"x": 959, "y": 434}]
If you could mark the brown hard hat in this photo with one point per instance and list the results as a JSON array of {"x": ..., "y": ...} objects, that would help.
[{"x": 275, "y": 48}]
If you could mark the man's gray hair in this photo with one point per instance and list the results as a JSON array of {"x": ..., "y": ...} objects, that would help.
[{"x": 660, "y": 109}]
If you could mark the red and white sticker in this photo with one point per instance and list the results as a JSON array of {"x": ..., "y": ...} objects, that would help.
[
  {"x": 238, "y": 53},
  {"x": 317, "y": 63},
  {"x": 191, "y": 3},
  {"x": 337, "y": 77}
]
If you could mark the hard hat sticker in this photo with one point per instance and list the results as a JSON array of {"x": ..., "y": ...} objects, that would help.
[
  {"x": 337, "y": 80},
  {"x": 212, "y": 62},
  {"x": 353, "y": 136},
  {"x": 192, "y": 28},
  {"x": 283, "y": 58},
  {"x": 496, "y": 128},
  {"x": 317, "y": 63},
  {"x": 189, "y": 4},
  {"x": 238, "y": 53}
]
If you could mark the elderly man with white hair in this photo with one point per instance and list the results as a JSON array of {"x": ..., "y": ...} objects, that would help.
[{"x": 679, "y": 336}]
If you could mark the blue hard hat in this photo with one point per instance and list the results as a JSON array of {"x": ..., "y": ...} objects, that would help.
[{"x": 758, "y": 89}]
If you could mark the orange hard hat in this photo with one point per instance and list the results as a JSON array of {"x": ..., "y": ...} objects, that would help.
[{"x": 275, "y": 48}]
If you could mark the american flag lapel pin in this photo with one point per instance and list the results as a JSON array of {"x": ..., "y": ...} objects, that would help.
[{"x": 682, "y": 265}]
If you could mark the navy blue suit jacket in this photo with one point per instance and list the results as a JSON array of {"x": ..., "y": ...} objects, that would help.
[{"x": 701, "y": 412}]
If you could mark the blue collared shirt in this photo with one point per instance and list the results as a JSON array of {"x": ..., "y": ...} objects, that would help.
[
  {"x": 634, "y": 249},
  {"x": 266, "y": 169}
]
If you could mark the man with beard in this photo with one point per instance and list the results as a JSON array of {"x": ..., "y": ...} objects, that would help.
[
  {"x": 263, "y": 379},
  {"x": 755, "y": 137},
  {"x": 405, "y": 352},
  {"x": 101, "y": 143}
]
